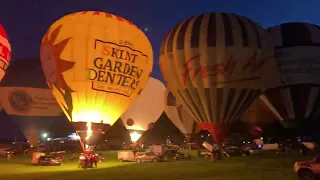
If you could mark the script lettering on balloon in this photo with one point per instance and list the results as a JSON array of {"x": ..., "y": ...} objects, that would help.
[
  {"x": 206, "y": 71},
  {"x": 116, "y": 71},
  {"x": 254, "y": 63},
  {"x": 250, "y": 67}
]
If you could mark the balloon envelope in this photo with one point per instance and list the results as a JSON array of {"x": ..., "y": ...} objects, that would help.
[
  {"x": 178, "y": 116},
  {"x": 5, "y": 52},
  {"x": 27, "y": 99},
  {"x": 215, "y": 65},
  {"x": 297, "y": 52},
  {"x": 146, "y": 109},
  {"x": 258, "y": 113},
  {"x": 95, "y": 63}
]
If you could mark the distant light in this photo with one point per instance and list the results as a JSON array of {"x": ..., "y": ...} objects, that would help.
[
  {"x": 243, "y": 142},
  {"x": 208, "y": 134},
  {"x": 61, "y": 142},
  {"x": 261, "y": 138},
  {"x": 44, "y": 135},
  {"x": 248, "y": 142},
  {"x": 145, "y": 29},
  {"x": 74, "y": 136},
  {"x": 106, "y": 140},
  {"x": 48, "y": 139},
  {"x": 201, "y": 135},
  {"x": 124, "y": 143},
  {"x": 185, "y": 141}
]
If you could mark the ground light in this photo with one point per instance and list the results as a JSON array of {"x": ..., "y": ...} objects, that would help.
[{"x": 44, "y": 135}]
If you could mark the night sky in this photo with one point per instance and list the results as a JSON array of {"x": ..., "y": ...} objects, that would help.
[{"x": 26, "y": 21}]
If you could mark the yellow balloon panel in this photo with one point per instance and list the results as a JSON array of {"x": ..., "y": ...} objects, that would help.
[{"x": 96, "y": 64}]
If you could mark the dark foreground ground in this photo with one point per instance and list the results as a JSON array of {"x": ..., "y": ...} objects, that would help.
[{"x": 259, "y": 167}]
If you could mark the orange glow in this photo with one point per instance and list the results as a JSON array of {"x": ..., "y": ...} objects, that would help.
[
  {"x": 135, "y": 136},
  {"x": 96, "y": 64}
]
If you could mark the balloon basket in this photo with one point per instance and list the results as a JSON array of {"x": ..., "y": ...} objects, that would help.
[{"x": 88, "y": 143}]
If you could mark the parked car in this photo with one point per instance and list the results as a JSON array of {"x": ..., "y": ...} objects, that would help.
[
  {"x": 147, "y": 157},
  {"x": 250, "y": 151},
  {"x": 175, "y": 155},
  {"x": 308, "y": 170},
  {"x": 231, "y": 151},
  {"x": 49, "y": 160},
  {"x": 6, "y": 151}
]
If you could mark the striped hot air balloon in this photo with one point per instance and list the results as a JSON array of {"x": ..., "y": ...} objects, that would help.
[
  {"x": 215, "y": 64},
  {"x": 27, "y": 99},
  {"x": 5, "y": 52},
  {"x": 297, "y": 51},
  {"x": 179, "y": 117}
]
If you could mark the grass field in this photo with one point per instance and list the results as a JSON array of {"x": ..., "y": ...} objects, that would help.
[{"x": 260, "y": 167}]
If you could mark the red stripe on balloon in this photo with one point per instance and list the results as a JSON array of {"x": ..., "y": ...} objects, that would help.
[
  {"x": 96, "y": 13},
  {"x": 108, "y": 15}
]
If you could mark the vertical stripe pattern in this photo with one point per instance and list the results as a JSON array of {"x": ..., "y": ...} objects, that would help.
[
  {"x": 296, "y": 102},
  {"x": 209, "y": 88},
  {"x": 297, "y": 52}
]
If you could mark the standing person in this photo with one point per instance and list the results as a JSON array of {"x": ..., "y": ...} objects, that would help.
[
  {"x": 9, "y": 156},
  {"x": 86, "y": 161},
  {"x": 95, "y": 160}
]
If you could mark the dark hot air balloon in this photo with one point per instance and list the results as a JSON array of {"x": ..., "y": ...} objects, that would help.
[
  {"x": 28, "y": 100},
  {"x": 297, "y": 51}
]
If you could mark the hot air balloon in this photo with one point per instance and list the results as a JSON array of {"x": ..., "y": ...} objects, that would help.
[
  {"x": 27, "y": 99},
  {"x": 96, "y": 64},
  {"x": 179, "y": 117},
  {"x": 215, "y": 64},
  {"x": 259, "y": 113},
  {"x": 256, "y": 115},
  {"x": 297, "y": 51},
  {"x": 5, "y": 52},
  {"x": 145, "y": 110}
]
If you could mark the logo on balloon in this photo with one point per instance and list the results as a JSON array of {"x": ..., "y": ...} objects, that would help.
[
  {"x": 116, "y": 70},
  {"x": 20, "y": 101}
]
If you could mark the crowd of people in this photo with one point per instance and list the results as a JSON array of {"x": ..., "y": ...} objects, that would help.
[{"x": 88, "y": 160}]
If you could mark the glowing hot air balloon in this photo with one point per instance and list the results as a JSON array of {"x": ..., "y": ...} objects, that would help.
[
  {"x": 297, "y": 52},
  {"x": 27, "y": 99},
  {"x": 145, "y": 110},
  {"x": 95, "y": 63},
  {"x": 5, "y": 52},
  {"x": 179, "y": 117},
  {"x": 215, "y": 65}
]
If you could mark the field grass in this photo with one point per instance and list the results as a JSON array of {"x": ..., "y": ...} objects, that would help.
[{"x": 260, "y": 167}]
